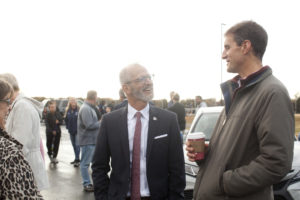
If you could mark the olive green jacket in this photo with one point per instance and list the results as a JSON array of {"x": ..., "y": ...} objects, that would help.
[{"x": 252, "y": 145}]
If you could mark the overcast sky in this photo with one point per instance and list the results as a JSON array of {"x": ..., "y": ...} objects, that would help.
[{"x": 65, "y": 48}]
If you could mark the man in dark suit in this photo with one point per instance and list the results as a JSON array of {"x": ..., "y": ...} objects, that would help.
[
  {"x": 123, "y": 100},
  {"x": 141, "y": 143},
  {"x": 178, "y": 108}
]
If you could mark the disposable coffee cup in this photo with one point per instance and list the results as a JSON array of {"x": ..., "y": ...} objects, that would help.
[{"x": 197, "y": 140}]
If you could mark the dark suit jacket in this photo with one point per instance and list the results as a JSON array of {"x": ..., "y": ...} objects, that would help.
[
  {"x": 178, "y": 108},
  {"x": 165, "y": 161},
  {"x": 121, "y": 105}
]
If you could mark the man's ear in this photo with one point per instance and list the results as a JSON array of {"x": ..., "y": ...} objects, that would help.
[
  {"x": 246, "y": 46},
  {"x": 125, "y": 88}
]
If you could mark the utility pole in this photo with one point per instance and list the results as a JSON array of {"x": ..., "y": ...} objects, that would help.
[
  {"x": 297, "y": 95},
  {"x": 222, "y": 24}
]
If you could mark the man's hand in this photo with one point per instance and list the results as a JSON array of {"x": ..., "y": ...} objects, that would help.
[
  {"x": 57, "y": 122},
  {"x": 54, "y": 133},
  {"x": 190, "y": 151}
]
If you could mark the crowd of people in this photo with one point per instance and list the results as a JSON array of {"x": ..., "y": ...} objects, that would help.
[{"x": 140, "y": 145}]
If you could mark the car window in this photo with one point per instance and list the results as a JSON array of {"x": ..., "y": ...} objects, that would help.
[
  {"x": 79, "y": 102},
  {"x": 206, "y": 124},
  {"x": 64, "y": 103}
]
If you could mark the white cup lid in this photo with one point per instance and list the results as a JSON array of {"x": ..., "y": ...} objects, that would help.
[{"x": 196, "y": 135}]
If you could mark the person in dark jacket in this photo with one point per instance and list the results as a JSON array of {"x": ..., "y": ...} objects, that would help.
[
  {"x": 53, "y": 131},
  {"x": 123, "y": 100},
  {"x": 71, "y": 125},
  {"x": 171, "y": 102},
  {"x": 101, "y": 107},
  {"x": 178, "y": 108},
  {"x": 109, "y": 108},
  {"x": 98, "y": 111}
]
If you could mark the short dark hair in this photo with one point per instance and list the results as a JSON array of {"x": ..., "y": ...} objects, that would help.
[
  {"x": 176, "y": 97},
  {"x": 5, "y": 89},
  {"x": 255, "y": 33},
  {"x": 51, "y": 102},
  {"x": 198, "y": 97}
]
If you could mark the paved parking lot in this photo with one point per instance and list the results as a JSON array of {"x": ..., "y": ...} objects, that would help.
[{"x": 64, "y": 178}]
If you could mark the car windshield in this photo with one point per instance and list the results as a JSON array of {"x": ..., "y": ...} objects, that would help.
[{"x": 206, "y": 124}]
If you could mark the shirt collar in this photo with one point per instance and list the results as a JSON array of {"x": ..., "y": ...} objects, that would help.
[
  {"x": 252, "y": 77},
  {"x": 132, "y": 111}
]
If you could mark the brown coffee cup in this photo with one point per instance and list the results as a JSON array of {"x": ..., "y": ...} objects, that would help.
[{"x": 197, "y": 141}]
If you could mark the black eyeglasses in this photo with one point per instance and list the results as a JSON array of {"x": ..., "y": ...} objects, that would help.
[
  {"x": 6, "y": 101},
  {"x": 142, "y": 79}
]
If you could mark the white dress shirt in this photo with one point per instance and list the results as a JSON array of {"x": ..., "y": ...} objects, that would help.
[{"x": 131, "y": 121}]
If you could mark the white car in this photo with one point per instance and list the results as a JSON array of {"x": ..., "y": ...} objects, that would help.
[{"x": 205, "y": 121}]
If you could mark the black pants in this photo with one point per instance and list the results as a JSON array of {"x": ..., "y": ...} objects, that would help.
[{"x": 53, "y": 140}]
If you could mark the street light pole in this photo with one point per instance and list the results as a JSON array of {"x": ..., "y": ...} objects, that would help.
[
  {"x": 297, "y": 96},
  {"x": 222, "y": 24}
]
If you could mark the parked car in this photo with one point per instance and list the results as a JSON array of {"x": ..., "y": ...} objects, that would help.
[{"x": 205, "y": 121}]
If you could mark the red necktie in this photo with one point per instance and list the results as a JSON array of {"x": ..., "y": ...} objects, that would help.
[{"x": 135, "y": 168}]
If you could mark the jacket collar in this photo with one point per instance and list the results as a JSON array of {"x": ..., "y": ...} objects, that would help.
[
  {"x": 123, "y": 128},
  {"x": 152, "y": 129},
  {"x": 132, "y": 111},
  {"x": 230, "y": 87},
  {"x": 4, "y": 134}
]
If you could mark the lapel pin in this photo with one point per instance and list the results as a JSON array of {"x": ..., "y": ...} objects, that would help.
[{"x": 154, "y": 118}]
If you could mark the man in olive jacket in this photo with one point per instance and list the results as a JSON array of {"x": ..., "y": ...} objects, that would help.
[{"x": 252, "y": 144}]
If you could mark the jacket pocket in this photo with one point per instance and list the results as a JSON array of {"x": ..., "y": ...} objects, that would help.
[
  {"x": 111, "y": 192},
  {"x": 220, "y": 185}
]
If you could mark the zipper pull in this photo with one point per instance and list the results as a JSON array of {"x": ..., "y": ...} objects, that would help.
[{"x": 224, "y": 121}]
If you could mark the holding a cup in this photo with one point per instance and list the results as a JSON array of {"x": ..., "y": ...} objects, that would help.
[{"x": 197, "y": 142}]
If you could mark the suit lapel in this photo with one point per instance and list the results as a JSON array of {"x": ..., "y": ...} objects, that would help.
[
  {"x": 152, "y": 128},
  {"x": 124, "y": 133}
]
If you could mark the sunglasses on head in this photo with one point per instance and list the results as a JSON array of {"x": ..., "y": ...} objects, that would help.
[{"x": 5, "y": 100}]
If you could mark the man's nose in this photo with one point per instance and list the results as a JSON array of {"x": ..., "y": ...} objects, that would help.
[
  {"x": 224, "y": 55},
  {"x": 148, "y": 80}
]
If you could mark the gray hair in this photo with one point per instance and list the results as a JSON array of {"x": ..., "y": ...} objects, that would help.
[
  {"x": 126, "y": 73},
  {"x": 11, "y": 79},
  {"x": 91, "y": 95}
]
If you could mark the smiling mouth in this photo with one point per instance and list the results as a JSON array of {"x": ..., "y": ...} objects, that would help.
[{"x": 148, "y": 90}]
